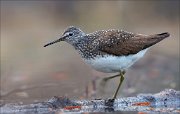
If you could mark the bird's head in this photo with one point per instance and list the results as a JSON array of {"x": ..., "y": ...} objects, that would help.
[{"x": 71, "y": 35}]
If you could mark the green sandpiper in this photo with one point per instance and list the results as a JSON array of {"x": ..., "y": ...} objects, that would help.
[{"x": 110, "y": 51}]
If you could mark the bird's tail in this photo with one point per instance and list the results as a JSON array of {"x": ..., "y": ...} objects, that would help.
[
  {"x": 153, "y": 39},
  {"x": 161, "y": 36}
]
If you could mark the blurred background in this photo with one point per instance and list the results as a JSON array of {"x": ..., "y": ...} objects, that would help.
[{"x": 30, "y": 72}]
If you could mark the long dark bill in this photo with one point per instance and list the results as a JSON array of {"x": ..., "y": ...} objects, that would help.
[{"x": 58, "y": 40}]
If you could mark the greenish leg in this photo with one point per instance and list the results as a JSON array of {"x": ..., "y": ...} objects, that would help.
[
  {"x": 120, "y": 83},
  {"x": 104, "y": 80},
  {"x": 111, "y": 77}
]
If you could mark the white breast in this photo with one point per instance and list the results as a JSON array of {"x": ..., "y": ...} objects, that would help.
[{"x": 112, "y": 64}]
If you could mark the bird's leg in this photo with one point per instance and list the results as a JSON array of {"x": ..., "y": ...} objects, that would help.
[
  {"x": 111, "y": 77},
  {"x": 104, "y": 81},
  {"x": 120, "y": 83}
]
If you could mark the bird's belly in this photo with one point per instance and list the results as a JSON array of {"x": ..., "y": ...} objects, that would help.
[{"x": 112, "y": 64}]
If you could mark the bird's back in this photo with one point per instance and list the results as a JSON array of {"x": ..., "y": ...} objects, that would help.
[{"x": 118, "y": 42}]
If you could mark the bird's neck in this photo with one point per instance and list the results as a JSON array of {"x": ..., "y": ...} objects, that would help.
[{"x": 84, "y": 47}]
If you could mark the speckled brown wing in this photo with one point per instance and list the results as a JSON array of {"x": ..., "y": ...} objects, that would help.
[{"x": 119, "y": 43}]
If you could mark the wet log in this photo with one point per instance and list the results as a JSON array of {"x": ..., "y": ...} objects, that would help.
[{"x": 164, "y": 101}]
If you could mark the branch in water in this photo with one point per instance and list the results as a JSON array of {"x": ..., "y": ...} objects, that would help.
[{"x": 165, "y": 101}]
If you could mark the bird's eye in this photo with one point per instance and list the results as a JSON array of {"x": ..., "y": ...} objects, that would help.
[{"x": 70, "y": 34}]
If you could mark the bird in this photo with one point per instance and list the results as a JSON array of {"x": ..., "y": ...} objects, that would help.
[{"x": 110, "y": 51}]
